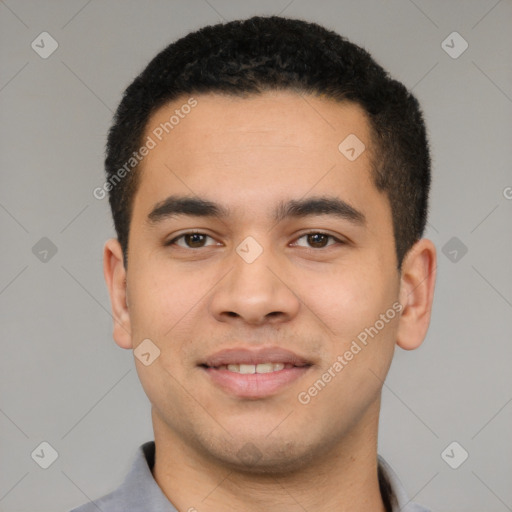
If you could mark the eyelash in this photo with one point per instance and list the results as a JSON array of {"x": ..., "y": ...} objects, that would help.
[{"x": 173, "y": 241}]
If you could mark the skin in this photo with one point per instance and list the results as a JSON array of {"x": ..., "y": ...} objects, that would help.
[{"x": 314, "y": 299}]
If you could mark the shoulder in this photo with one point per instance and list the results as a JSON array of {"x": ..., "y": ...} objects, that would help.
[
  {"x": 111, "y": 502},
  {"x": 137, "y": 491}
]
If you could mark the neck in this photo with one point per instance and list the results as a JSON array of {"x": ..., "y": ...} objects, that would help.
[{"x": 343, "y": 479}]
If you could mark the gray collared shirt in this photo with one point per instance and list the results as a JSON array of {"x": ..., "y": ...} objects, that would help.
[{"x": 140, "y": 493}]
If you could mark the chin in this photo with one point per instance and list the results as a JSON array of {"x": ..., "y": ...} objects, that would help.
[{"x": 261, "y": 457}]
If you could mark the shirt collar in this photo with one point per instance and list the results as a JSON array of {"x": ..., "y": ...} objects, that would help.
[
  {"x": 404, "y": 504},
  {"x": 139, "y": 488}
]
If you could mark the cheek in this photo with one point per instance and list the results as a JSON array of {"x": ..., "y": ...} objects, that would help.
[
  {"x": 160, "y": 297},
  {"x": 349, "y": 299},
  {"x": 164, "y": 307}
]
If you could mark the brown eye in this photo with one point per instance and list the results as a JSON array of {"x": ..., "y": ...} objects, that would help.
[
  {"x": 318, "y": 240},
  {"x": 192, "y": 240}
]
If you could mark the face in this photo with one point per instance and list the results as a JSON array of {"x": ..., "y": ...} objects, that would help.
[{"x": 286, "y": 256}]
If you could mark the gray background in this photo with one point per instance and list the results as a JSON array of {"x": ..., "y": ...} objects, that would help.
[{"x": 63, "y": 379}]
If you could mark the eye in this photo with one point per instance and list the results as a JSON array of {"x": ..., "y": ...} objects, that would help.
[
  {"x": 192, "y": 239},
  {"x": 318, "y": 239},
  {"x": 196, "y": 240}
]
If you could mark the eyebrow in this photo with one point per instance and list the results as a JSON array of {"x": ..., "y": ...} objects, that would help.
[{"x": 174, "y": 206}]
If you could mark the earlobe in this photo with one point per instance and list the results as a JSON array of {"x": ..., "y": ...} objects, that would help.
[
  {"x": 115, "y": 277},
  {"x": 416, "y": 294}
]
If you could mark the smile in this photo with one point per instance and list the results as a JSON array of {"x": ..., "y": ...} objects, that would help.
[
  {"x": 255, "y": 368},
  {"x": 253, "y": 373}
]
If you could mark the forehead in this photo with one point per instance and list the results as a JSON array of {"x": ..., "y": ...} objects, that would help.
[
  {"x": 281, "y": 119},
  {"x": 244, "y": 152}
]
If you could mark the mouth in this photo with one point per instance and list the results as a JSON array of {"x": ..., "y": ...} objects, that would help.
[
  {"x": 249, "y": 369},
  {"x": 254, "y": 374}
]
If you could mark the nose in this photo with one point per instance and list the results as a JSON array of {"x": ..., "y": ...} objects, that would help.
[{"x": 255, "y": 292}]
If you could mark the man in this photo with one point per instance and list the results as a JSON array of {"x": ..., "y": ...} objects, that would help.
[{"x": 269, "y": 187}]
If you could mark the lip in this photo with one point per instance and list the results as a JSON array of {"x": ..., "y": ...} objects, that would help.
[{"x": 256, "y": 385}]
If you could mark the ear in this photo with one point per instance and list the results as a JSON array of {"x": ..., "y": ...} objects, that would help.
[
  {"x": 115, "y": 277},
  {"x": 417, "y": 284}
]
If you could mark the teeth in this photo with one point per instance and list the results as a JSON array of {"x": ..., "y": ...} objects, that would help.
[
  {"x": 264, "y": 368},
  {"x": 247, "y": 368},
  {"x": 255, "y": 368}
]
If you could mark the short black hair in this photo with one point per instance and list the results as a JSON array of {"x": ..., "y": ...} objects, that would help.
[{"x": 259, "y": 54}]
